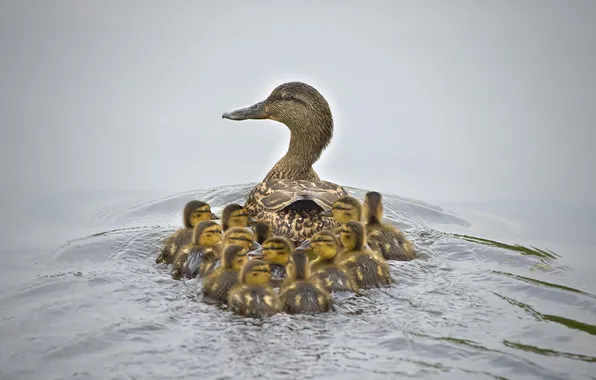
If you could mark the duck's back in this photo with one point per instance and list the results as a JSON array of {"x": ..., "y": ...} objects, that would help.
[
  {"x": 334, "y": 279},
  {"x": 253, "y": 301},
  {"x": 173, "y": 244},
  {"x": 367, "y": 271},
  {"x": 389, "y": 242},
  {"x": 217, "y": 286},
  {"x": 304, "y": 297}
]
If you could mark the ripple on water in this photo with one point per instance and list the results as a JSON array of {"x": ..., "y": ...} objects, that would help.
[{"x": 468, "y": 308}]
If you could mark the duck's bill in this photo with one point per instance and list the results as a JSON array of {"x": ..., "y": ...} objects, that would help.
[
  {"x": 304, "y": 246},
  {"x": 325, "y": 213},
  {"x": 214, "y": 216},
  {"x": 256, "y": 254},
  {"x": 193, "y": 263},
  {"x": 254, "y": 246},
  {"x": 256, "y": 111}
]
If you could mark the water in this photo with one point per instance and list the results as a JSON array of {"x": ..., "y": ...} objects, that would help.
[{"x": 98, "y": 307}]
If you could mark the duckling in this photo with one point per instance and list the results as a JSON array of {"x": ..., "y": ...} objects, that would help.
[
  {"x": 291, "y": 195},
  {"x": 262, "y": 232},
  {"x": 234, "y": 215},
  {"x": 344, "y": 210},
  {"x": 299, "y": 294},
  {"x": 254, "y": 297},
  {"x": 325, "y": 272},
  {"x": 276, "y": 253},
  {"x": 217, "y": 285},
  {"x": 206, "y": 240},
  {"x": 194, "y": 212},
  {"x": 384, "y": 238},
  {"x": 367, "y": 268},
  {"x": 241, "y": 236}
]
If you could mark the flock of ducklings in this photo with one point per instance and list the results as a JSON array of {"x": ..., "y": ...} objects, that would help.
[{"x": 241, "y": 264}]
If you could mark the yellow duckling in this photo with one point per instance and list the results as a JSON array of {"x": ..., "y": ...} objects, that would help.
[
  {"x": 262, "y": 232},
  {"x": 299, "y": 294},
  {"x": 344, "y": 210},
  {"x": 194, "y": 212},
  {"x": 276, "y": 253},
  {"x": 367, "y": 269},
  {"x": 234, "y": 215},
  {"x": 206, "y": 241},
  {"x": 242, "y": 236},
  {"x": 324, "y": 271},
  {"x": 217, "y": 285},
  {"x": 384, "y": 238},
  {"x": 254, "y": 297}
]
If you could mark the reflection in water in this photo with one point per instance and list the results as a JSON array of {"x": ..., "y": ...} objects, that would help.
[{"x": 99, "y": 307}]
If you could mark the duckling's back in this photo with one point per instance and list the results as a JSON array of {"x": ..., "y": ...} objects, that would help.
[
  {"x": 367, "y": 271},
  {"x": 304, "y": 297},
  {"x": 217, "y": 286},
  {"x": 173, "y": 244},
  {"x": 334, "y": 279},
  {"x": 253, "y": 301},
  {"x": 389, "y": 242}
]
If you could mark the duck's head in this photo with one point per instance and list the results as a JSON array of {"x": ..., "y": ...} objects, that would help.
[
  {"x": 234, "y": 215},
  {"x": 207, "y": 234},
  {"x": 373, "y": 207},
  {"x": 324, "y": 244},
  {"x": 241, "y": 236},
  {"x": 262, "y": 232},
  {"x": 345, "y": 209},
  {"x": 196, "y": 212},
  {"x": 255, "y": 272},
  {"x": 234, "y": 257},
  {"x": 352, "y": 236},
  {"x": 277, "y": 250},
  {"x": 298, "y": 268}
]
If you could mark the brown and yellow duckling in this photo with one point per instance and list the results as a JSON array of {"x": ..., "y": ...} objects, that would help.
[
  {"x": 366, "y": 267},
  {"x": 299, "y": 294},
  {"x": 234, "y": 215},
  {"x": 217, "y": 285},
  {"x": 384, "y": 238},
  {"x": 276, "y": 253},
  {"x": 344, "y": 210},
  {"x": 206, "y": 241},
  {"x": 291, "y": 195},
  {"x": 324, "y": 270},
  {"x": 242, "y": 236},
  {"x": 194, "y": 212},
  {"x": 253, "y": 296}
]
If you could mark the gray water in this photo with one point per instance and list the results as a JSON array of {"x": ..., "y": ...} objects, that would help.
[{"x": 82, "y": 298}]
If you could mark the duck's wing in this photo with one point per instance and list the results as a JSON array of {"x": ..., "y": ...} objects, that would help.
[{"x": 276, "y": 194}]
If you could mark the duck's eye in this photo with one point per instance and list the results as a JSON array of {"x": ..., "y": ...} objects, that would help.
[{"x": 287, "y": 97}]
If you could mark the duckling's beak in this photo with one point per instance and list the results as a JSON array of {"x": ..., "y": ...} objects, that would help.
[
  {"x": 304, "y": 246},
  {"x": 326, "y": 213},
  {"x": 214, "y": 217},
  {"x": 256, "y": 111},
  {"x": 256, "y": 254},
  {"x": 252, "y": 221},
  {"x": 255, "y": 246}
]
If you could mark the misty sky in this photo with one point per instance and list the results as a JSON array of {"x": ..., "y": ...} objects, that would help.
[{"x": 434, "y": 100}]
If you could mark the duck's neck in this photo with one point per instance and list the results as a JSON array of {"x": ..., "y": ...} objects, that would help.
[{"x": 306, "y": 145}]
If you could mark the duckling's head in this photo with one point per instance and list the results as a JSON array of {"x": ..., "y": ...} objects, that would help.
[
  {"x": 373, "y": 207},
  {"x": 255, "y": 272},
  {"x": 277, "y": 250},
  {"x": 242, "y": 236},
  {"x": 299, "y": 106},
  {"x": 352, "y": 236},
  {"x": 297, "y": 268},
  {"x": 262, "y": 232},
  {"x": 345, "y": 209},
  {"x": 234, "y": 215},
  {"x": 207, "y": 234},
  {"x": 196, "y": 212},
  {"x": 324, "y": 244},
  {"x": 234, "y": 257}
]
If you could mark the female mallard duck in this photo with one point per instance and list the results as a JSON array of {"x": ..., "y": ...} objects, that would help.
[
  {"x": 367, "y": 269},
  {"x": 384, "y": 238},
  {"x": 299, "y": 294},
  {"x": 254, "y": 297},
  {"x": 262, "y": 232},
  {"x": 276, "y": 253},
  {"x": 324, "y": 271},
  {"x": 291, "y": 195},
  {"x": 205, "y": 241},
  {"x": 234, "y": 215},
  {"x": 194, "y": 213},
  {"x": 217, "y": 285},
  {"x": 242, "y": 236}
]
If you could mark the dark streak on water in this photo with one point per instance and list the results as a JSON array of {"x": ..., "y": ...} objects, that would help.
[{"x": 471, "y": 308}]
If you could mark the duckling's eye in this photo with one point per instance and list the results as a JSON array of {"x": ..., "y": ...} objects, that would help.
[{"x": 287, "y": 97}]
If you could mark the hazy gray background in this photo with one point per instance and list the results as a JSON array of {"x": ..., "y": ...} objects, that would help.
[{"x": 440, "y": 101}]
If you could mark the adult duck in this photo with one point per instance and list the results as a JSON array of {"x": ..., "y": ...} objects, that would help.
[{"x": 291, "y": 196}]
